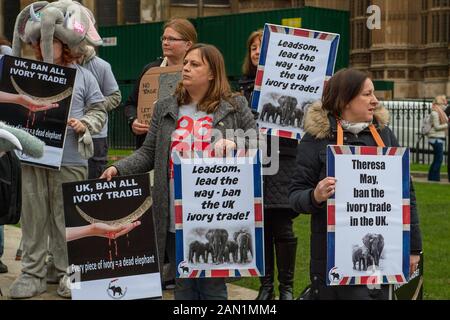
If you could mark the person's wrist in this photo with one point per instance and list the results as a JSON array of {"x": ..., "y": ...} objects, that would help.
[
  {"x": 131, "y": 120},
  {"x": 316, "y": 197}
]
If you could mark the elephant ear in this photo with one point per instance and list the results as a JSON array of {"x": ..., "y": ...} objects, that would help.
[
  {"x": 208, "y": 235},
  {"x": 27, "y": 26},
  {"x": 281, "y": 100},
  {"x": 92, "y": 36}
]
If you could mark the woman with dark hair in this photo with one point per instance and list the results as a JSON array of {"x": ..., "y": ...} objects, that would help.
[
  {"x": 278, "y": 231},
  {"x": 247, "y": 81},
  {"x": 178, "y": 36},
  {"x": 202, "y": 100},
  {"x": 348, "y": 106}
]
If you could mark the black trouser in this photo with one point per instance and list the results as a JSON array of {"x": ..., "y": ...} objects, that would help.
[
  {"x": 97, "y": 164},
  {"x": 277, "y": 226}
]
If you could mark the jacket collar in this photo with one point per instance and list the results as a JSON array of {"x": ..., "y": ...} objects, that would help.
[
  {"x": 171, "y": 107},
  {"x": 321, "y": 124}
]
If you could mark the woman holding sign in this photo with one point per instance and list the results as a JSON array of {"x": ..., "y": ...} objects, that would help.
[
  {"x": 278, "y": 232},
  {"x": 184, "y": 122},
  {"x": 43, "y": 214},
  {"x": 178, "y": 36},
  {"x": 348, "y": 114}
]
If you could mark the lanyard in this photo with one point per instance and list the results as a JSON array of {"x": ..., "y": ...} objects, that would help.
[{"x": 375, "y": 134}]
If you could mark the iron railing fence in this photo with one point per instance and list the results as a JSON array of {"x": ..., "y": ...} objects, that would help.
[{"x": 406, "y": 119}]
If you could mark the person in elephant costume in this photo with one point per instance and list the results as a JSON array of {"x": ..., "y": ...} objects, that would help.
[
  {"x": 278, "y": 216},
  {"x": 58, "y": 33}
]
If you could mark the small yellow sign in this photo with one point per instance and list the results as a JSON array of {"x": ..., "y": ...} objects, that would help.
[{"x": 292, "y": 22}]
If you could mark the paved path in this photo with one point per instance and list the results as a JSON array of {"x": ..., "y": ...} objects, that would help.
[{"x": 12, "y": 239}]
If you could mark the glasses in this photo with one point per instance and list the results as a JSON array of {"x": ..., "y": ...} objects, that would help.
[{"x": 170, "y": 39}]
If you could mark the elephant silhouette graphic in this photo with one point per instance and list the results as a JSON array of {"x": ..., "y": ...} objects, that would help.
[
  {"x": 185, "y": 269},
  {"x": 335, "y": 275},
  {"x": 116, "y": 289}
]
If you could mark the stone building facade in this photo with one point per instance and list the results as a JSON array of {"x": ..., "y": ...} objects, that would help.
[{"x": 411, "y": 47}]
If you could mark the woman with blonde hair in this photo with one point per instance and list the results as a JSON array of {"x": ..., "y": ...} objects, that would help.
[
  {"x": 436, "y": 136},
  {"x": 202, "y": 100},
  {"x": 178, "y": 36}
]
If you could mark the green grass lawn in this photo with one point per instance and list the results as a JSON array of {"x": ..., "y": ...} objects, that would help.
[
  {"x": 425, "y": 167},
  {"x": 434, "y": 209}
]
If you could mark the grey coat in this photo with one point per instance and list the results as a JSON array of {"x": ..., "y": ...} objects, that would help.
[{"x": 155, "y": 152}]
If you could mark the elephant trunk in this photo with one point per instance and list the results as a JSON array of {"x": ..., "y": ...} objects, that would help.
[
  {"x": 16, "y": 42},
  {"x": 49, "y": 21}
]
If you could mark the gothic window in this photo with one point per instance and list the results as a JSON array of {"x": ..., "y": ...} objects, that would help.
[
  {"x": 424, "y": 4},
  {"x": 444, "y": 28},
  {"x": 435, "y": 28},
  {"x": 132, "y": 11},
  {"x": 106, "y": 12},
  {"x": 424, "y": 29},
  {"x": 205, "y": 2}
]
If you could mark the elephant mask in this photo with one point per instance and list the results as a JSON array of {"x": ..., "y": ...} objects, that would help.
[{"x": 67, "y": 20}]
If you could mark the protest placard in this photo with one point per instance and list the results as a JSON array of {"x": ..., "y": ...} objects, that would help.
[
  {"x": 294, "y": 65},
  {"x": 368, "y": 216},
  {"x": 156, "y": 84},
  {"x": 218, "y": 217},
  {"x": 111, "y": 239},
  {"x": 43, "y": 82}
]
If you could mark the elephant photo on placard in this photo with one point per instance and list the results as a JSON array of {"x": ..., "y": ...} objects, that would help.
[
  {"x": 287, "y": 106},
  {"x": 231, "y": 249},
  {"x": 244, "y": 241},
  {"x": 270, "y": 113},
  {"x": 369, "y": 253},
  {"x": 361, "y": 258},
  {"x": 375, "y": 244},
  {"x": 197, "y": 250},
  {"x": 217, "y": 241}
]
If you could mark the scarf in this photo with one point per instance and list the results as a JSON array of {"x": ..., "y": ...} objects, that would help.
[{"x": 354, "y": 128}]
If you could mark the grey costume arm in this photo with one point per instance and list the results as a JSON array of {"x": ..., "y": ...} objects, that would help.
[
  {"x": 113, "y": 100},
  {"x": 95, "y": 117}
]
